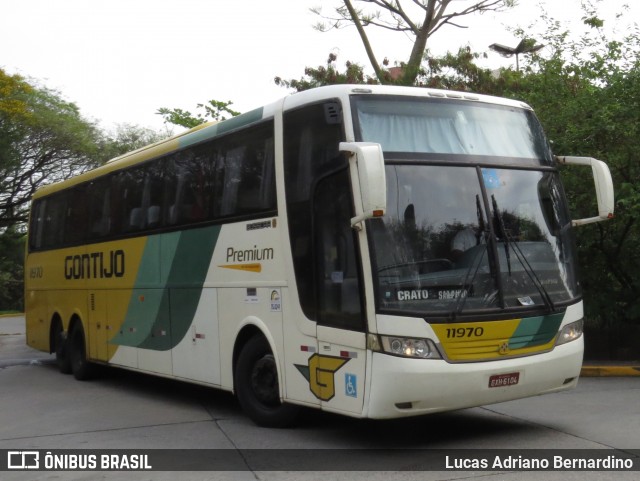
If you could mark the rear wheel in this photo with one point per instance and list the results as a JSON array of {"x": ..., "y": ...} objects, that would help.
[
  {"x": 82, "y": 369},
  {"x": 61, "y": 349},
  {"x": 257, "y": 388}
]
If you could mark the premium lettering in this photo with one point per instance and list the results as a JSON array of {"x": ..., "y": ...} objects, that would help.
[
  {"x": 249, "y": 255},
  {"x": 96, "y": 265}
]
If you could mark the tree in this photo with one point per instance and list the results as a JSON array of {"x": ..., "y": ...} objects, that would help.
[
  {"x": 11, "y": 270},
  {"x": 213, "y": 110},
  {"x": 595, "y": 111},
  {"x": 127, "y": 138},
  {"x": 329, "y": 75},
  {"x": 420, "y": 19},
  {"x": 44, "y": 140}
]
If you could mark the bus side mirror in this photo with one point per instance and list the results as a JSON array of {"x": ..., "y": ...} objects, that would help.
[
  {"x": 603, "y": 185},
  {"x": 367, "y": 160}
]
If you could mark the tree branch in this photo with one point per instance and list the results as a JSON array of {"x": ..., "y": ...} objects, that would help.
[{"x": 365, "y": 40}]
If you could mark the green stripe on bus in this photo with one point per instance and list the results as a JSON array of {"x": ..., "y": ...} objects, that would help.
[
  {"x": 536, "y": 331},
  {"x": 221, "y": 128},
  {"x": 159, "y": 317},
  {"x": 187, "y": 276}
]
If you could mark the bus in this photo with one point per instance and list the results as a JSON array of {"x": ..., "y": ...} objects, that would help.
[{"x": 372, "y": 251}]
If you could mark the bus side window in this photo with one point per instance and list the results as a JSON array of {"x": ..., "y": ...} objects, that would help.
[
  {"x": 338, "y": 279},
  {"x": 310, "y": 152},
  {"x": 245, "y": 172},
  {"x": 54, "y": 218},
  {"x": 152, "y": 196},
  {"x": 233, "y": 161},
  {"x": 37, "y": 224},
  {"x": 127, "y": 214},
  {"x": 99, "y": 193},
  {"x": 76, "y": 215},
  {"x": 189, "y": 197}
]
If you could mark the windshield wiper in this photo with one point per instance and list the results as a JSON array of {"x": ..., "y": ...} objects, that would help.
[
  {"x": 502, "y": 230},
  {"x": 508, "y": 242},
  {"x": 464, "y": 293}
]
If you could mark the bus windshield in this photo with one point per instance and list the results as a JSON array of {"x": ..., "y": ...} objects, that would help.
[
  {"x": 451, "y": 128},
  {"x": 468, "y": 233}
]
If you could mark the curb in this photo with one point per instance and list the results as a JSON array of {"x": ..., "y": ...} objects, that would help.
[{"x": 610, "y": 371}]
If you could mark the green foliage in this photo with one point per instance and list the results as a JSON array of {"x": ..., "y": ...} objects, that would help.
[
  {"x": 127, "y": 138},
  {"x": 44, "y": 139},
  {"x": 329, "y": 75},
  {"x": 417, "y": 20},
  {"x": 594, "y": 110},
  {"x": 213, "y": 110},
  {"x": 12, "y": 245}
]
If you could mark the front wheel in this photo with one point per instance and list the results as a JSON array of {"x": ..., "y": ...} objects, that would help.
[{"x": 257, "y": 388}]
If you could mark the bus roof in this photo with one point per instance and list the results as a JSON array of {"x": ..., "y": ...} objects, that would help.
[
  {"x": 344, "y": 91},
  {"x": 298, "y": 99}
]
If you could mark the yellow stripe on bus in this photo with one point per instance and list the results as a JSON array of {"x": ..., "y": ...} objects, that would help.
[{"x": 474, "y": 341}]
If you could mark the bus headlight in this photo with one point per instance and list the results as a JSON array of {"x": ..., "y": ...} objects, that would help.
[
  {"x": 570, "y": 332},
  {"x": 405, "y": 347}
]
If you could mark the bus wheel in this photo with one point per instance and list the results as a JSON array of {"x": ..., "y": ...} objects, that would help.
[
  {"x": 82, "y": 369},
  {"x": 257, "y": 388},
  {"x": 62, "y": 352}
]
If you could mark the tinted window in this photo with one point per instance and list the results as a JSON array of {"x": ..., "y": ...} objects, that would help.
[
  {"x": 337, "y": 273},
  {"x": 226, "y": 177},
  {"x": 311, "y": 151}
]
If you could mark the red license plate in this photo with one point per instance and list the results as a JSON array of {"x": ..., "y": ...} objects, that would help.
[{"x": 501, "y": 380}]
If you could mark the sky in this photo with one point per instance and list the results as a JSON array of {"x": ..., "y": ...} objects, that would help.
[{"x": 121, "y": 60}]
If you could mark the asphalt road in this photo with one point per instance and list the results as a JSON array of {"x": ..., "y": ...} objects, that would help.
[{"x": 43, "y": 409}]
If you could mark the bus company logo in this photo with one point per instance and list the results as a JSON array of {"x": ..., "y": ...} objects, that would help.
[
  {"x": 96, "y": 265},
  {"x": 504, "y": 348},
  {"x": 23, "y": 460},
  {"x": 320, "y": 372}
]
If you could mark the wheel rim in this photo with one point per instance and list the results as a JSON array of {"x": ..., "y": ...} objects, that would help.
[{"x": 264, "y": 381}]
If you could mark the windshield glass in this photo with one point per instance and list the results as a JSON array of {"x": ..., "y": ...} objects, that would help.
[
  {"x": 462, "y": 238},
  {"x": 451, "y": 128}
]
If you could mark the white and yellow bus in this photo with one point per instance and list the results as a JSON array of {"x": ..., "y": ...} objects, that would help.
[{"x": 370, "y": 251}]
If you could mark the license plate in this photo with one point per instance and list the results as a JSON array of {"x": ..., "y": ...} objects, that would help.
[{"x": 501, "y": 380}]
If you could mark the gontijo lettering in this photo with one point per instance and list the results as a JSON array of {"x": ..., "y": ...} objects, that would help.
[{"x": 96, "y": 265}]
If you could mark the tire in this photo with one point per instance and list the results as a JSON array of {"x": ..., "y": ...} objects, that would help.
[
  {"x": 62, "y": 351},
  {"x": 257, "y": 388},
  {"x": 81, "y": 368}
]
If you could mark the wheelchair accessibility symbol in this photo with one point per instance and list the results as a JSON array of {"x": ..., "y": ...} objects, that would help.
[{"x": 351, "y": 385}]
